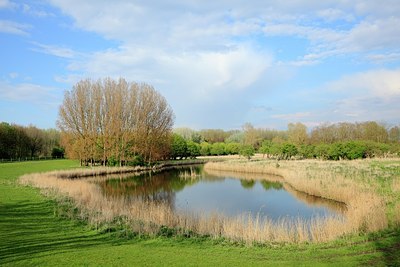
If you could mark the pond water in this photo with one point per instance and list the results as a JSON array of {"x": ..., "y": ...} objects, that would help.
[{"x": 196, "y": 190}]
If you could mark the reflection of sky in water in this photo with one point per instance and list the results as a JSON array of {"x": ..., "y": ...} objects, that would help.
[{"x": 230, "y": 198}]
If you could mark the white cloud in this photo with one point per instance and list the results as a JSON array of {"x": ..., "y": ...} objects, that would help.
[
  {"x": 57, "y": 51},
  {"x": 12, "y": 27},
  {"x": 292, "y": 117},
  {"x": 370, "y": 95},
  {"x": 34, "y": 11},
  {"x": 334, "y": 14},
  {"x": 6, "y": 4},
  {"x": 29, "y": 93},
  {"x": 382, "y": 83}
]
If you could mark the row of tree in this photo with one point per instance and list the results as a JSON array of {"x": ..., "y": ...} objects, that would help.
[
  {"x": 19, "y": 142},
  {"x": 328, "y": 141},
  {"x": 115, "y": 122},
  {"x": 298, "y": 134}
]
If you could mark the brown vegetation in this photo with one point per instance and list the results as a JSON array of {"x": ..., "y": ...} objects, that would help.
[{"x": 115, "y": 120}]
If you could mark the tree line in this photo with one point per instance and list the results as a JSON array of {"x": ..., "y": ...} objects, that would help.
[
  {"x": 327, "y": 141},
  {"x": 19, "y": 142}
]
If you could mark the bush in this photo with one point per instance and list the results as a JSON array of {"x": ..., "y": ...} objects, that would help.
[
  {"x": 288, "y": 150},
  {"x": 354, "y": 150},
  {"x": 307, "y": 151},
  {"x": 136, "y": 161},
  {"x": 247, "y": 151},
  {"x": 232, "y": 148},
  {"x": 178, "y": 147},
  {"x": 57, "y": 152},
  {"x": 205, "y": 149},
  {"x": 193, "y": 149},
  {"x": 217, "y": 149}
]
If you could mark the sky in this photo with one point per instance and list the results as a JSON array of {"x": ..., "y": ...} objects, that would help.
[{"x": 219, "y": 64}]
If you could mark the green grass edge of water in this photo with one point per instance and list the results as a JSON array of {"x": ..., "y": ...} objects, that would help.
[{"x": 32, "y": 235}]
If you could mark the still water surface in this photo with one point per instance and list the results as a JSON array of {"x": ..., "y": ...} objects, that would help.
[{"x": 196, "y": 190}]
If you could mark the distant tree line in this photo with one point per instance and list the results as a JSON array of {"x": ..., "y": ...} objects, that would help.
[
  {"x": 327, "y": 141},
  {"x": 114, "y": 122},
  {"x": 19, "y": 142}
]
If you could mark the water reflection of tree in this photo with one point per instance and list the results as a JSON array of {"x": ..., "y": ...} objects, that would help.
[
  {"x": 277, "y": 182},
  {"x": 268, "y": 185},
  {"x": 158, "y": 187},
  {"x": 247, "y": 184}
]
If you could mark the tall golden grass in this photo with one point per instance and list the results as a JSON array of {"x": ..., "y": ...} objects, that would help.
[
  {"x": 365, "y": 210},
  {"x": 338, "y": 181}
]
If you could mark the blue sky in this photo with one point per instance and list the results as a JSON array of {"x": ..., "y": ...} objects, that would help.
[{"x": 220, "y": 64}]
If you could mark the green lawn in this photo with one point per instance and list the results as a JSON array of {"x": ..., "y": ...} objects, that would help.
[{"x": 31, "y": 235}]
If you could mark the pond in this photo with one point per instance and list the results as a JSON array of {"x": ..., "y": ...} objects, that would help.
[{"x": 205, "y": 192}]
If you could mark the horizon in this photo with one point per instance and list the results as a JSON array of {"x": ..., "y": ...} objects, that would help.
[{"x": 219, "y": 65}]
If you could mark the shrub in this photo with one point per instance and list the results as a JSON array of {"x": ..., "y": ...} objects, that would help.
[
  {"x": 247, "y": 151},
  {"x": 205, "y": 149},
  {"x": 288, "y": 150},
  {"x": 193, "y": 149},
  {"x": 232, "y": 148},
  {"x": 178, "y": 147},
  {"x": 217, "y": 149}
]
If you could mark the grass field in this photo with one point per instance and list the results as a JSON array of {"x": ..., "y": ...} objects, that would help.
[{"x": 31, "y": 235}]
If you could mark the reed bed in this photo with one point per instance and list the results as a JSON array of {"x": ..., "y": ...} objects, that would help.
[
  {"x": 365, "y": 210},
  {"x": 352, "y": 183}
]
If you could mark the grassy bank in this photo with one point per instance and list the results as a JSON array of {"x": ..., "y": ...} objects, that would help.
[{"x": 31, "y": 234}]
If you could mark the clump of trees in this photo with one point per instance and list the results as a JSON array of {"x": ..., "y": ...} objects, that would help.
[
  {"x": 115, "y": 122},
  {"x": 327, "y": 141},
  {"x": 21, "y": 143}
]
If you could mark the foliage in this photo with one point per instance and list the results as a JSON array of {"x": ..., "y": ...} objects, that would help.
[
  {"x": 265, "y": 147},
  {"x": 57, "y": 152},
  {"x": 232, "y": 148},
  {"x": 22, "y": 142},
  {"x": 113, "y": 119},
  {"x": 205, "y": 149},
  {"x": 217, "y": 149},
  {"x": 247, "y": 151},
  {"x": 247, "y": 184},
  {"x": 288, "y": 150},
  {"x": 193, "y": 149},
  {"x": 179, "y": 147}
]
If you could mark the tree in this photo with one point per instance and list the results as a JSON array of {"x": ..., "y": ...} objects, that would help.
[
  {"x": 205, "y": 149},
  {"x": 214, "y": 135},
  {"x": 115, "y": 119},
  {"x": 193, "y": 149},
  {"x": 394, "y": 134},
  {"x": 179, "y": 147},
  {"x": 288, "y": 150},
  {"x": 217, "y": 149},
  {"x": 232, "y": 148},
  {"x": 247, "y": 151},
  {"x": 265, "y": 147},
  {"x": 297, "y": 133},
  {"x": 36, "y": 140}
]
